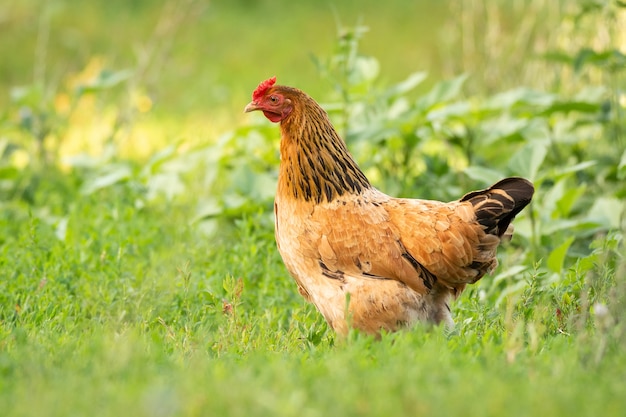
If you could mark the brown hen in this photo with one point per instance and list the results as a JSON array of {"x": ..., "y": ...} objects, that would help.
[{"x": 366, "y": 259}]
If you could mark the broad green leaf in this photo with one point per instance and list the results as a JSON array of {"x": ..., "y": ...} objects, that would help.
[
  {"x": 400, "y": 108},
  {"x": 609, "y": 58},
  {"x": 484, "y": 175},
  {"x": 527, "y": 161},
  {"x": 587, "y": 100},
  {"x": 550, "y": 198},
  {"x": 160, "y": 157},
  {"x": 234, "y": 201},
  {"x": 569, "y": 106},
  {"x": 608, "y": 211},
  {"x": 207, "y": 208},
  {"x": 570, "y": 197},
  {"x": 571, "y": 225},
  {"x": 558, "y": 200},
  {"x": 592, "y": 94},
  {"x": 405, "y": 86},
  {"x": 453, "y": 110},
  {"x": 501, "y": 128},
  {"x": 442, "y": 92},
  {"x": 113, "y": 175},
  {"x": 168, "y": 184},
  {"x": 523, "y": 226},
  {"x": 517, "y": 96},
  {"x": 557, "y": 256},
  {"x": 366, "y": 69},
  {"x": 561, "y": 172}
]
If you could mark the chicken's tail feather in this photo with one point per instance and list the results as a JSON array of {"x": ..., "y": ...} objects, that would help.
[{"x": 498, "y": 205}]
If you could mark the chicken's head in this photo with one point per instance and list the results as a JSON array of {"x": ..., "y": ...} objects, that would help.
[{"x": 268, "y": 98}]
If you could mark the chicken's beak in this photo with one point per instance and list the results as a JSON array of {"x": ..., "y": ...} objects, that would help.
[{"x": 252, "y": 106}]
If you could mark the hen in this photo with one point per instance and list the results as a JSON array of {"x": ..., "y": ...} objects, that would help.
[{"x": 365, "y": 259}]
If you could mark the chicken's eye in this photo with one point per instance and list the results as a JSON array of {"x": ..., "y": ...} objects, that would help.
[{"x": 274, "y": 99}]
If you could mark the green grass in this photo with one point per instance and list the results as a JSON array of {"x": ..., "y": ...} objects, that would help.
[
  {"x": 136, "y": 312},
  {"x": 130, "y": 334},
  {"x": 138, "y": 270}
]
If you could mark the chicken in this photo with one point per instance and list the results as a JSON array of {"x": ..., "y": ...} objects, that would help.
[{"x": 364, "y": 259}]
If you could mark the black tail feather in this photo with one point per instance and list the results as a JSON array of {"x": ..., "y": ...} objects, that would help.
[{"x": 498, "y": 205}]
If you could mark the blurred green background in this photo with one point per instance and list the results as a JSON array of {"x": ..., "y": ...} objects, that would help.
[
  {"x": 206, "y": 55},
  {"x": 199, "y": 60}
]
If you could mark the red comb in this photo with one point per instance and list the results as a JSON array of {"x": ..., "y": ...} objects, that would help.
[{"x": 263, "y": 87}]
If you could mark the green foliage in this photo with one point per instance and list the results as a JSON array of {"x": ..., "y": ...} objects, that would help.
[{"x": 138, "y": 320}]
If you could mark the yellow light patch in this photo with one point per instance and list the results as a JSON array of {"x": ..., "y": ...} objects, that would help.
[{"x": 143, "y": 103}]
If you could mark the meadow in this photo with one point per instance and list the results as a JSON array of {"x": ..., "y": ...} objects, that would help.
[{"x": 138, "y": 270}]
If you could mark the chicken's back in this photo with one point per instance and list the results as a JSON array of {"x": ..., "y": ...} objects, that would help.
[{"x": 391, "y": 261}]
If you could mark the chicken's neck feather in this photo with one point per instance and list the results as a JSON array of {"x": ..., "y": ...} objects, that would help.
[{"x": 315, "y": 162}]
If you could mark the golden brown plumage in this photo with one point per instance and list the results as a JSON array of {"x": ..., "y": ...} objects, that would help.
[{"x": 366, "y": 259}]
